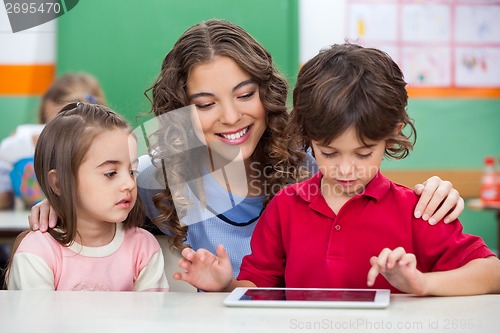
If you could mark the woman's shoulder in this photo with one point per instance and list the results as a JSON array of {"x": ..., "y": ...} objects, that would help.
[
  {"x": 309, "y": 162},
  {"x": 146, "y": 178}
]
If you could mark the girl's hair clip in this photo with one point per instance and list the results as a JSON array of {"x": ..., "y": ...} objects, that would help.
[{"x": 91, "y": 99}]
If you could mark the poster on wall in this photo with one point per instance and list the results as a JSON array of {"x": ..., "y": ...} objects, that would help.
[{"x": 445, "y": 48}]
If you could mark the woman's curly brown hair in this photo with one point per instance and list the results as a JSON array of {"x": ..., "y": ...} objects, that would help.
[{"x": 200, "y": 44}]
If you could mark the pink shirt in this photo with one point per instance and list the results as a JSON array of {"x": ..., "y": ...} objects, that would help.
[
  {"x": 132, "y": 261},
  {"x": 300, "y": 242}
]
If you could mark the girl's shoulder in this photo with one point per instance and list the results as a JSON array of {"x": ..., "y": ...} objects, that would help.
[
  {"x": 41, "y": 244},
  {"x": 140, "y": 236}
]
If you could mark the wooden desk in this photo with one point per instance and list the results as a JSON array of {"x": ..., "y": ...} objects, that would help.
[
  {"x": 477, "y": 204},
  {"x": 41, "y": 312},
  {"x": 12, "y": 222}
]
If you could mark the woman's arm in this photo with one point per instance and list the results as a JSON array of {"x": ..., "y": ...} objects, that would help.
[{"x": 438, "y": 201}]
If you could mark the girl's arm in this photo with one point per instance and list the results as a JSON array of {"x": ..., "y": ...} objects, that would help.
[
  {"x": 207, "y": 271},
  {"x": 29, "y": 272},
  {"x": 479, "y": 276},
  {"x": 152, "y": 277}
]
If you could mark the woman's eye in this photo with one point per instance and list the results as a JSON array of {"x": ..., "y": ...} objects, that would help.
[
  {"x": 204, "y": 106},
  {"x": 110, "y": 174},
  {"x": 134, "y": 173},
  {"x": 247, "y": 95}
]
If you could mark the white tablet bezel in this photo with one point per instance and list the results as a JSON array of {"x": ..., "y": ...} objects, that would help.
[{"x": 382, "y": 299}]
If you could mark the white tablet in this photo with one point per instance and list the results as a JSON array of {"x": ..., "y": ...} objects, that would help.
[{"x": 309, "y": 297}]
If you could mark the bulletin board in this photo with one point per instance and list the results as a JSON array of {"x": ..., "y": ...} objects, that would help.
[{"x": 446, "y": 48}]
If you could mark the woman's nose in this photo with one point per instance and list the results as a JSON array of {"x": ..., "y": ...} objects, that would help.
[{"x": 230, "y": 114}]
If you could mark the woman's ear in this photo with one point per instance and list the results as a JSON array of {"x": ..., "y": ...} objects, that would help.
[{"x": 54, "y": 182}]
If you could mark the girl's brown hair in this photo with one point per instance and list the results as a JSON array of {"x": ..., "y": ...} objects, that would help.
[
  {"x": 349, "y": 85},
  {"x": 203, "y": 43},
  {"x": 62, "y": 146}
]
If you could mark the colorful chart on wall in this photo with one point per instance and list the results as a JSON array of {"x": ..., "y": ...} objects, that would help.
[{"x": 446, "y": 48}]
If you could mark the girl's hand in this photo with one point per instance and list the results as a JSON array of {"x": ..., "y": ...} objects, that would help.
[
  {"x": 42, "y": 216},
  {"x": 438, "y": 200},
  {"x": 400, "y": 270},
  {"x": 204, "y": 270}
]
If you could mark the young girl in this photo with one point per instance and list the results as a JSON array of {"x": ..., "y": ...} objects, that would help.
[
  {"x": 348, "y": 223},
  {"x": 239, "y": 102},
  {"x": 85, "y": 161}
]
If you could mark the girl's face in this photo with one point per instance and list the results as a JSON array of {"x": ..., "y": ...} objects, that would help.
[
  {"x": 106, "y": 185},
  {"x": 230, "y": 112},
  {"x": 347, "y": 164},
  {"x": 50, "y": 109}
]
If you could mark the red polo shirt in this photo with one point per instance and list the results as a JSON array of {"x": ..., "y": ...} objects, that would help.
[{"x": 300, "y": 242}]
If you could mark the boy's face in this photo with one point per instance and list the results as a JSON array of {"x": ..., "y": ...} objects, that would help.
[
  {"x": 347, "y": 164},
  {"x": 106, "y": 185}
]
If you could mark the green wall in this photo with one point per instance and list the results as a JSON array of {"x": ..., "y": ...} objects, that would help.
[
  {"x": 15, "y": 111},
  {"x": 452, "y": 133}
]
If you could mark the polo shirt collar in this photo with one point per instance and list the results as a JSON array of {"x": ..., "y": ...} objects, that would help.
[
  {"x": 310, "y": 191},
  {"x": 378, "y": 187}
]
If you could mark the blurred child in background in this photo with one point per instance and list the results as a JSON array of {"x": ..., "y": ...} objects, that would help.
[{"x": 17, "y": 177}]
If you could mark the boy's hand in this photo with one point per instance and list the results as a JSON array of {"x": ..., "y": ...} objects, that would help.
[
  {"x": 204, "y": 270},
  {"x": 400, "y": 270}
]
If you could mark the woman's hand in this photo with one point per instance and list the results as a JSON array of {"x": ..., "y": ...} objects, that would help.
[
  {"x": 205, "y": 270},
  {"x": 42, "y": 216},
  {"x": 438, "y": 200}
]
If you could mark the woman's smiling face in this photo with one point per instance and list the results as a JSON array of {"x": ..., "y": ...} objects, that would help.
[{"x": 228, "y": 105}]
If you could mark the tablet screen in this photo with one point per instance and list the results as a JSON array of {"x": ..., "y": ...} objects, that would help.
[{"x": 309, "y": 295}]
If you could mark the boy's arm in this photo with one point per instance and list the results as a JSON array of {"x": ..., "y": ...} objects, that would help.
[
  {"x": 479, "y": 276},
  {"x": 207, "y": 271}
]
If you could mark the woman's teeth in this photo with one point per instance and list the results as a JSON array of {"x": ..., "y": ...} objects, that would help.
[{"x": 234, "y": 136}]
